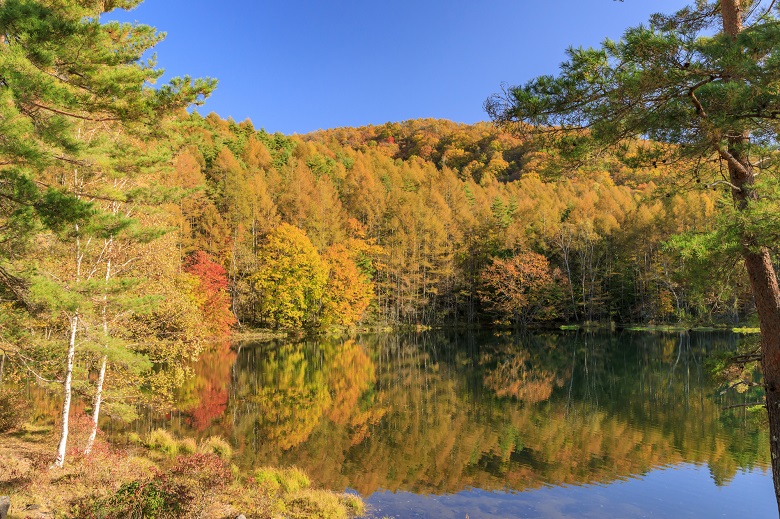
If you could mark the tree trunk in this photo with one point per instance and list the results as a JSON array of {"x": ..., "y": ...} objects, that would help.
[
  {"x": 758, "y": 263},
  {"x": 96, "y": 406},
  {"x": 102, "y": 377},
  {"x": 59, "y": 461},
  {"x": 766, "y": 293}
]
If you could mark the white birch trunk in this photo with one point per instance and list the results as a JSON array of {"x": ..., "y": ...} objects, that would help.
[
  {"x": 96, "y": 409},
  {"x": 102, "y": 376},
  {"x": 59, "y": 461},
  {"x": 61, "y": 448}
]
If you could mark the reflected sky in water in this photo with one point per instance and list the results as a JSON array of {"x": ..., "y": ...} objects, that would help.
[{"x": 684, "y": 491}]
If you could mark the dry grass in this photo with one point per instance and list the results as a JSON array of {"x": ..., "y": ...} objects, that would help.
[
  {"x": 33, "y": 480},
  {"x": 161, "y": 440},
  {"x": 212, "y": 489},
  {"x": 216, "y": 445}
]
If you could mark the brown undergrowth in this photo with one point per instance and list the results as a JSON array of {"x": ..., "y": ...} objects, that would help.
[{"x": 149, "y": 478}]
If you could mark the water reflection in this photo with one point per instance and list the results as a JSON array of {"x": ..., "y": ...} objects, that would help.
[{"x": 438, "y": 413}]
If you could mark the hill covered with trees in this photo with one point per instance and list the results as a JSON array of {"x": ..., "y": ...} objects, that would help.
[{"x": 436, "y": 223}]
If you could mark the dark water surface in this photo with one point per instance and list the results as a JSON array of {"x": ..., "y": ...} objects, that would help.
[{"x": 564, "y": 425}]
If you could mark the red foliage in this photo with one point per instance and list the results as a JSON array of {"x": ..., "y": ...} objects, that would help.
[
  {"x": 212, "y": 404},
  {"x": 213, "y": 286},
  {"x": 212, "y": 386},
  {"x": 209, "y": 470}
]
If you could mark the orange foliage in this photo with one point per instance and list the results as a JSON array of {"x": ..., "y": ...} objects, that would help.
[
  {"x": 521, "y": 286},
  {"x": 349, "y": 291}
]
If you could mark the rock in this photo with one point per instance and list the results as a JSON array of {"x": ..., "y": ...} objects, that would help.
[
  {"x": 5, "y": 504},
  {"x": 241, "y": 516}
]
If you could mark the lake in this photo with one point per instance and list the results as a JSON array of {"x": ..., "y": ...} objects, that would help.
[{"x": 455, "y": 425}]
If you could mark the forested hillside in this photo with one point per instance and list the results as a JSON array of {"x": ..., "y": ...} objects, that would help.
[{"x": 436, "y": 223}]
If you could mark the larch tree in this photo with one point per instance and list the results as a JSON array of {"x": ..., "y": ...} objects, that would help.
[
  {"x": 697, "y": 87},
  {"x": 67, "y": 80}
]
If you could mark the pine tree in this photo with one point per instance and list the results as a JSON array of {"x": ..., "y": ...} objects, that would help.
[
  {"x": 702, "y": 84},
  {"x": 72, "y": 89}
]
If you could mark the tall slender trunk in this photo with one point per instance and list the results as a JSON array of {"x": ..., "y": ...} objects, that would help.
[
  {"x": 758, "y": 263},
  {"x": 96, "y": 406},
  {"x": 59, "y": 461},
  {"x": 102, "y": 376},
  {"x": 67, "y": 385}
]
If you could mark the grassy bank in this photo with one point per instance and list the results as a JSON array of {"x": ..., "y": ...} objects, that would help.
[{"x": 154, "y": 477}]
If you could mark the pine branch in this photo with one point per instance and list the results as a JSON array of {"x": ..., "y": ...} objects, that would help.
[
  {"x": 17, "y": 286},
  {"x": 70, "y": 114},
  {"x": 740, "y": 383}
]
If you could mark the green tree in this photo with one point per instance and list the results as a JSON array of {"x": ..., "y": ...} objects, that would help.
[
  {"x": 702, "y": 84},
  {"x": 61, "y": 68},
  {"x": 73, "y": 91}
]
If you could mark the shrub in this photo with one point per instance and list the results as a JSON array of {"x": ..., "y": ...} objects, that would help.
[
  {"x": 183, "y": 490},
  {"x": 285, "y": 480},
  {"x": 294, "y": 479},
  {"x": 161, "y": 440},
  {"x": 353, "y": 503},
  {"x": 319, "y": 504},
  {"x": 188, "y": 446},
  {"x": 13, "y": 411},
  {"x": 268, "y": 478},
  {"x": 216, "y": 445},
  {"x": 135, "y": 499},
  {"x": 208, "y": 470}
]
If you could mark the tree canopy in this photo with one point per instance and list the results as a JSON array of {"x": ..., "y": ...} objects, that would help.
[{"x": 678, "y": 80}]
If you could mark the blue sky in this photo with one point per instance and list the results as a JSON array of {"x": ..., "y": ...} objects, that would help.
[{"x": 296, "y": 66}]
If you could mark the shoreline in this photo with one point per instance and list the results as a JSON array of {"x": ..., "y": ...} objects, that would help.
[{"x": 159, "y": 477}]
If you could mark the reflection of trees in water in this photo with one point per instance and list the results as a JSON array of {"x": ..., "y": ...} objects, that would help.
[
  {"x": 519, "y": 368},
  {"x": 204, "y": 398},
  {"x": 438, "y": 413},
  {"x": 282, "y": 394}
]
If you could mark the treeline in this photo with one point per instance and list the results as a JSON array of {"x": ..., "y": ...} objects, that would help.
[
  {"x": 117, "y": 266},
  {"x": 436, "y": 223}
]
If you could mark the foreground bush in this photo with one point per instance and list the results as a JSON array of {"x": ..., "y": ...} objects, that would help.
[
  {"x": 161, "y": 440},
  {"x": 184, "y": 490},
  {"x": 216, "y": 445}
]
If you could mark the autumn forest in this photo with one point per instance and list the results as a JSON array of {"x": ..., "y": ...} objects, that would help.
[
  {"x": 435, "y": 223},
  {"x": 138, "y": 237}
]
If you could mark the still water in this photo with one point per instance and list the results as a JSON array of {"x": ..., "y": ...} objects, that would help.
[{"x": 564, "y": 425}]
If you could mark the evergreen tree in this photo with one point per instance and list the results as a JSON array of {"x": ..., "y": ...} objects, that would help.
[
  {"x": 702, "y": 84},
  {"x": 75, "y": 98}
]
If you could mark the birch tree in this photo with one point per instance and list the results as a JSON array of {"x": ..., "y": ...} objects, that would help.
[{"x": 70, "y": 83}]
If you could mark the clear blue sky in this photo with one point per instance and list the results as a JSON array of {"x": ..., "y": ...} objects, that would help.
[{"x": 296, "y": 66}]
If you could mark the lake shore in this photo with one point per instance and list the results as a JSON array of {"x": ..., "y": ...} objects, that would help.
[{"x": 158, "y": 476}]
